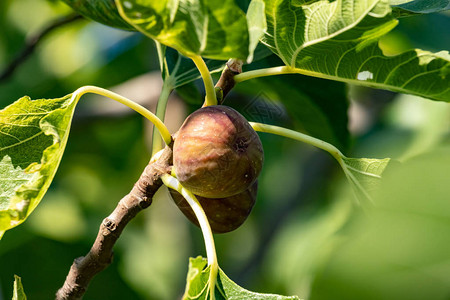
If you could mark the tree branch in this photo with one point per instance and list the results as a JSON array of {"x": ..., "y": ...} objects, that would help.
[
  {"x": 100, "y": 256},
  {"x": 31, "y": 43},
  {"x": 226, "y": 81}
]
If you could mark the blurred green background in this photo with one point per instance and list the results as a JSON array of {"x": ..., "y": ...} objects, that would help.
[{"x": 307, "y": 235}]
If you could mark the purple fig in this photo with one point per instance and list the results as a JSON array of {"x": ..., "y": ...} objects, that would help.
[
  {"x": 216, "y": 153},
  {"x": 224, "y": 214}
]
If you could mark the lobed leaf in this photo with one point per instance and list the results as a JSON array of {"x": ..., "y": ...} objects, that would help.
[
  {"x": 33, "y": 138},
  {"x": 337, "y": 40},
  {"x": 214, "y": 29},
  {"x": 197, "y": 281}
]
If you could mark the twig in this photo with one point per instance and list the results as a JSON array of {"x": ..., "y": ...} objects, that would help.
[
  {"x": 100, "y": 256},
  {"x": 31, "y": 43},
  {"x": 226, "y": 81}
]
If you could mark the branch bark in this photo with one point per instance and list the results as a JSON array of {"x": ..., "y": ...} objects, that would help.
[
  {"x": 226, "y": 81},
  {"x": 100, "y": 256}
]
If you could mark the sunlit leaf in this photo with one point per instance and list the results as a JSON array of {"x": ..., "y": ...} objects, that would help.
[
  {"x": 256, "y": 24},
  {"x": 337, "y": 40},
  {"x": 214, "y": 29},
  {"x": 33, "y": 137},
  {"x": 102, "y": 11},
  {"x": 18, "y": 292},
  {"x": 364, "y": 173},
  {"x": 197, "y": 281}
]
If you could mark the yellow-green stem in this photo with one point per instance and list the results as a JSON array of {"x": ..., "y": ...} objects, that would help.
[
  {"x": 210, "y": 98},
  {"x": 317, "y": 143},
  {"x": 173, "y": 183},
  {"x": 264, "y": 72},
  {"x": 279, "y": 71},
  {"x": 164, "y": 132},
  {"x": 299, "y": 137}
]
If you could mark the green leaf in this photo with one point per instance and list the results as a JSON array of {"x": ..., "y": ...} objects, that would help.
[
  {"x": 102, "y": 11},
  {"x": 337, "y": 40},
  {"x": 364, "y": 174},
  {"x": 197, "y": 281},
  {"x": 256, "y": 20},
  {"x": 421, "y": 6},
  {"x": 214, "y": 29},
  {"x": 33, "y": 137},
  {"x": 18, "y": 292},
  {"x": 398, "y": 248}
]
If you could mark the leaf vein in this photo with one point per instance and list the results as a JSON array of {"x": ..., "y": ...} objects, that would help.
[
  {"x": 362, "y": 172},
  {"x": 336, "y": 33},
  {"x": 399, "y": 65},
  {"x": 21, "y": 142},
  {"x": 418, "y": 75}
]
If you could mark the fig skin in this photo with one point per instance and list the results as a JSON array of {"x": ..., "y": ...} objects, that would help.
[
  {"x": 216, "y": 153},
  {"x": 224, "y": 214}
]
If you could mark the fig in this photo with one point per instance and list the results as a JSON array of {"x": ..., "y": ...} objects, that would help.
[
  {"x": 224, "y": 214},
  {"x": 216, "y": 153}
]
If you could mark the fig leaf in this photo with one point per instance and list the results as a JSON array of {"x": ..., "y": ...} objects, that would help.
[
  {"x": 364, "y": 174},
  {"x": 338, "y": 40},
  {"x": 214, "y": 29},
  {"x": 102, "y": 11},
  {"x": 197, "y": 281},
  {"x": 33, "y": 138}
]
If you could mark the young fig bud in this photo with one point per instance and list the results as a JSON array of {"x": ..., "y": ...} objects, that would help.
[{"x": 216, "y": 153}]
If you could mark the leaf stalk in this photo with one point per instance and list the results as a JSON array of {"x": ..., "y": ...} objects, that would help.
[
  {"x": 163, "y": 131},
  {"x": 210, "y": 98},
  {"x": 299, "y": 137},
  {"x": 264, "y": 72},
  {"x": 173, "y": 183},
  {"x": 341, "y": 158}
]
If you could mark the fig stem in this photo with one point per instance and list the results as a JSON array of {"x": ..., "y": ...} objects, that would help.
[
  {"x": 299, "y": 137},
  {"x": 269, "y": 72},
  {"x": 314, "y": 142},
  {"x": 210, "y": 98},
  {"x": 287, "y": 70},
  {"x": 278, "y": 71},
  {"x": 163, "y": 131},
  {"x": 173, "y": 183}
]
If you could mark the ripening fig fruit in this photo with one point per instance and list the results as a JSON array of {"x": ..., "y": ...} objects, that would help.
[
  {"x": 216, "y": 153},
  {"x": 224, "y": 214}
]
